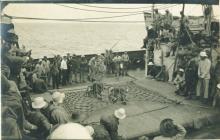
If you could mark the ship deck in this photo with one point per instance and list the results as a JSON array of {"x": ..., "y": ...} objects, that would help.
[{"x": 149, "y": 102}]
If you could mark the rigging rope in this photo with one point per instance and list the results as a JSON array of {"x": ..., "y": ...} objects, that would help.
[
  {"x": 82, "y": 19},
  {"x": 102, "y": 11},
  {"x": 104, "y": 7}
]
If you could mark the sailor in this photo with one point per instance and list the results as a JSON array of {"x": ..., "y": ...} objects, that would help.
[
  {"x": 55, "y": 73},
  {"x": 216, "y": 96},
  {"x": 54, "y": 113},
  {"x": 125, "y": 60},
  {"x": 83, "y": 66},
  {"x": 151, "y": 69},
  {"x": 179, "y": 81},
  {"x": 111, "y": 122},
  {"x": 204, "y": 76},
  {"x": 216, "y": 76},
  {"x": 91, "y": 65},
  {"x": 157, "y": 20},
  {"x": 39, "y": 85},
  {"x": 39, "y": 69},
  {"x": 63, "y": 68},
  {"x": 46, "y": 66},
  {"x": 191, "y": 77},
  {"x": 170, "y": 130},
  {"x": 168, "y": 20},
  {"x": 117, "y": 60},
  {"x": 98, "y": 132}
]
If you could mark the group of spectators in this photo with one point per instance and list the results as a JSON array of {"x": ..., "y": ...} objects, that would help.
[
  {"x": 41, "y": 74},
  {"x": 198, "y": 77},
  {"x": 197, "y": 74}
]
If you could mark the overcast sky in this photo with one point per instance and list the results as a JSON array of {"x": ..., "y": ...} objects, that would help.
[{"x": 58, "y": 11}]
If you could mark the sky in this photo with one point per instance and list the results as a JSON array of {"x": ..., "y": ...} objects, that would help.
[{"x": 59, "y": 11}]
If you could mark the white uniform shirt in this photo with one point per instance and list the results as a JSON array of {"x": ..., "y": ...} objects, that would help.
[{"x": 63, "y": 65}]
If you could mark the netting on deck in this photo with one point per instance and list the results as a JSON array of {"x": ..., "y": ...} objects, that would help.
[{"x": 77, "y": 101}]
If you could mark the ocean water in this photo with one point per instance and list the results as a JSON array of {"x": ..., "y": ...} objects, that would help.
[{"x": 48, "y": 39}]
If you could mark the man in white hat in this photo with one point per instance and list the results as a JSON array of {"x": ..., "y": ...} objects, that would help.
[
  {"x": 111, "y": 122},
  {"x": 179, "y": 81},
  {"x": 204, "y": 76},
  {"x": 37, "y": 118},
  {"x": 151, "y": 70},
  {"x": 58, "y": 98},
  {"x": 54, "y": 113}
]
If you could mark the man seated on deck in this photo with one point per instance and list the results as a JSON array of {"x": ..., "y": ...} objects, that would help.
[
  {"x": 111, "y": 122},
  {"x": 179, "y": 81},
  {"x": 39, "y": 85},
  {"x": 54, "y": 113}
]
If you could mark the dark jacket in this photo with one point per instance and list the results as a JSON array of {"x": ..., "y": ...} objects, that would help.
[
  {"x": 43, "y": 125},
  {"x": 55, "y": 114},
  {"x": 111, "y": 124},
  {"x": 10, "y": 129},
  {"x": 100, "y": 133},
  {"x": 83, "y": 64},
  {"x": 54, "y": 69},
  {"x": 217, "y": 71}
]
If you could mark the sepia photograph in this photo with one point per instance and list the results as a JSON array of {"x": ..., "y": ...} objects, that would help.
[{"x": 110, "y": 69}]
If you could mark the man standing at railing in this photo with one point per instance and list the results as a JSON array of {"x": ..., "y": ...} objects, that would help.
[{"x": 157, "y": 20}]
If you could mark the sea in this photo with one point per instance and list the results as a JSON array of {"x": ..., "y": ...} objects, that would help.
[{"x": 49, "y": 39}]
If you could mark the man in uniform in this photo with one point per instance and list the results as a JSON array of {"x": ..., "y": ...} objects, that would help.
[
  {"x": 157, "y": 20},
  {"x": 168, "y": 20},
  {"x": 83, "y": 66},
  {"x": 125, "y": 60},
  {"x": 204, "y": 76},
  {"x": 111, "y": 122}
]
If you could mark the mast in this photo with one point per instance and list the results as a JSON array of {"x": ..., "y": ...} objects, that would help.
[{"x": 175, "y": 62}]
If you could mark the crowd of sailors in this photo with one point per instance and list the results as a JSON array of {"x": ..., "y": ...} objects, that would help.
[
  {"x": 69, "y": 69},
  {"x": 197, "y": 74}
]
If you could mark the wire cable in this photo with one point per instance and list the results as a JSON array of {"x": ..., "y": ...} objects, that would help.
[
  {"x": 82, "y": 19},
  {"x": 103, "y": 7},
  {"x": 100, "y": 10},
  {"x": 93, "y": 10}
]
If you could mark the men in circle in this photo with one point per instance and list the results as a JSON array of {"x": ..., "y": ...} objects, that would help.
[{"x": 111, "y": 122}]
